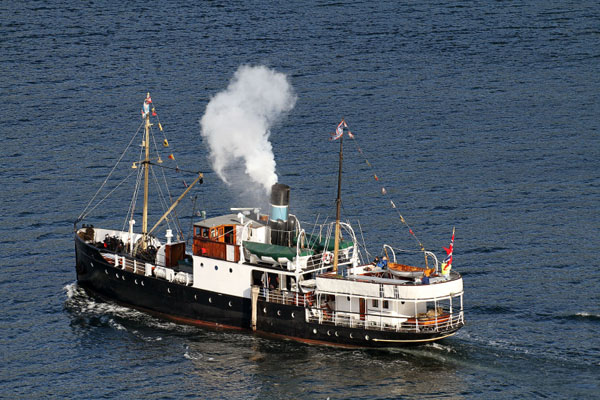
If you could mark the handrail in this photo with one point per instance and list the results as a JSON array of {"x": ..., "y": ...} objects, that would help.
[{"x": 444, "y": 322}]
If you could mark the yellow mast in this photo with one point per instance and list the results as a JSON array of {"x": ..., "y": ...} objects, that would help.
[{"x": 146, "y": 164}]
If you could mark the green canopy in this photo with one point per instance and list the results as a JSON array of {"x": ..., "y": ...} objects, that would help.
[{"x": 275, "y": 251}]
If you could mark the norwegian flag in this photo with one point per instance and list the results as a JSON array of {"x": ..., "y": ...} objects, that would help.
[
  {"x": 339, "y": 131},
  {"x": 447, "y": 264}
]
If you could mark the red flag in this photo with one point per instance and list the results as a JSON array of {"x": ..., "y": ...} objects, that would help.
[
  {"x": 447, "y": 264},
  {"x": 171, "y": 156}
]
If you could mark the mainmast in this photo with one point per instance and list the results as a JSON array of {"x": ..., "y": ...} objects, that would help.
[
  {"x": 338, "y": 204},
  {"x": 146, "y": 167}
]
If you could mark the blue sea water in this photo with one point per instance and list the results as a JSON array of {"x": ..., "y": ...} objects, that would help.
[{"x": 478, "y": 115}]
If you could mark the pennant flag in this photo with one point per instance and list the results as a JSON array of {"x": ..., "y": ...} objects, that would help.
[
  {"x": 447, "y": 264},
  {"x": 339, "y": 131},
  {"x": 153, "y": 112},
  {"x": 383, "y": 191},
  {"x": 160, "y": 126},
  {"x": 171, "y": 156},
  {"x": 376, "y": 178},
  {"x": 368, "y": 163},
  {"x": 184, "y": 184},
  {"x": 411, "y": 232},
  {"x": 148, "y": 99},
  {"x": 145, "y": 109},
  {"x": 393, "y": 205},
  {"x": 165, "y": 143},
  {"x": 350, "y": 135}
]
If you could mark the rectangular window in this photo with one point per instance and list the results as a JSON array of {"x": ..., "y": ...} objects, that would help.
[
  {"x": 386, "y": 304},
  {"x": 229, "y": 235},
  {"x": 375, "y": 303}
]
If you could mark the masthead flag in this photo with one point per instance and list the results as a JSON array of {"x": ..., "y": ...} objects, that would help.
[
  {"x": 447, "y": 264},
  {"x": 339, "y": 131}
]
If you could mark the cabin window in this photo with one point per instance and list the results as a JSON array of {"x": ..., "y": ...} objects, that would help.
[
  {"x": 259, "y": 278},
  {"x": 375, "y": 303},
  {"x": 213, "y": 233},
  {"x": 229, "y": 235},
  {"x": 204, "y": 232},
  {"x": 386, "y": 304},
  {"x": 273, "y": 280}
]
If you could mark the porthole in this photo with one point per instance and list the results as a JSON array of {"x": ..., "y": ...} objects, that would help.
[
  {"x": 210, "y": 299},
  {"x": 117, "y": 275},
  {"x": 142, "y": 283},
  {"x": 216, "y": 267},
  {"x": 328, "y": 333},
  {"x": 92, "y": 264},
  {"x": 279, "y": 312},
  {"x": 123, "y": 277},
  {"x": 202, "y": 264},
  {"x": 265, "y": 310},
  {"x": 336, "y": 334},
  {"x": 366, "y": 337},
  {"x": 315, "y": 331},
  {"x": 230, "y": 270},
  {"x": 230, "y": 304},
  {"x": 106, "y": 271},
  {"x": 169, "y": 290},
  {"x": 293, "y": 315},
  {"x": 195, "y": 297},
  {"x": 351, "y": 337},
  {"x": 136, "y": 282}
]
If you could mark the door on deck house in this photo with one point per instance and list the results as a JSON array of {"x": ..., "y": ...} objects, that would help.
[{"x": 362, "y": 306}]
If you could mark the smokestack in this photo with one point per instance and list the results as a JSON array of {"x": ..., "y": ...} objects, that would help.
[{"x": 278, "y": 219}]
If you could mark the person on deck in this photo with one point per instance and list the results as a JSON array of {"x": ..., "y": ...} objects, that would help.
[{"x": 382, "y": 263}]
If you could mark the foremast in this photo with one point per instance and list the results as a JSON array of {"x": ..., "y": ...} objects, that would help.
[{"x": 146, "y": 166}]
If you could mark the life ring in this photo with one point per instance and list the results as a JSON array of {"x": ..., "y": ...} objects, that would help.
[{"x": 326, "y": 258}]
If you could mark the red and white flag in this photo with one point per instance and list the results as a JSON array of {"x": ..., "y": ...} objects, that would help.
[
  {"x": 339, "y": 131},
  {"x": 447, "y": 264}
]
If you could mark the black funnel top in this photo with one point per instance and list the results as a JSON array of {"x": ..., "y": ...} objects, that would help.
[{"x": 280, "y": 194}]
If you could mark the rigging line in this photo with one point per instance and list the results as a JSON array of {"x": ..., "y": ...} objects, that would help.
[
  {"x": 137, "y": 187},
  {"x": 174, "y": 168},
  {"x": 384, "y": 192},
  {"x": 175, "y": 216},
  {"x": 164, "y": 177},
  {"x": 166, "y": 206},
  {"x": 136, "y": 190},
  {"x": 131, "y": 209},
  {"x": 105, "y": 197},
  {"x": 161, "y": 196},
  {"x": 363, "y": 240},
  {"x": 109, "y": 174}
]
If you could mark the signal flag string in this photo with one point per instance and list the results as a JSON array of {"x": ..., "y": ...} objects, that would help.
[{"x": 338, "y": 134}]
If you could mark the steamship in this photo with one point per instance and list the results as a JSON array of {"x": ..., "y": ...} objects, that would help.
[{"x": 267, "y": 273}]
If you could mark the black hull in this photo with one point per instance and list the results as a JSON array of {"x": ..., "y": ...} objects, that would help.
[{"x": 189, "y": 305}]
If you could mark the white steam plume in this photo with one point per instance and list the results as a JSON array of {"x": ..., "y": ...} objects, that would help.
[{"x": 237, "y": 122}]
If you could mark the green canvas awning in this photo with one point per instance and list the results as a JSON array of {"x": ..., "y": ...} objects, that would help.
[{"x": 275, "y": 251}]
